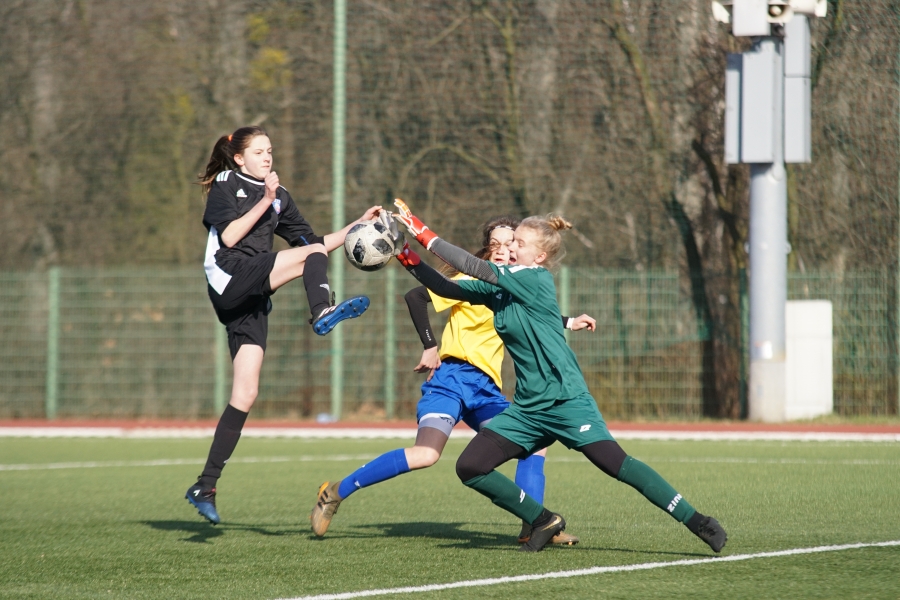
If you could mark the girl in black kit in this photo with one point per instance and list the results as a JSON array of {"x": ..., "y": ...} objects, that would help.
[{"x": 245, "y": 207}]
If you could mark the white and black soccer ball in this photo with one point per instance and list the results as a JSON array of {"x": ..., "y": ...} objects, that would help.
[{"x": 369, "y": 245}]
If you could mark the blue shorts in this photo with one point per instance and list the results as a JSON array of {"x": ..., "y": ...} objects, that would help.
[{"x": 458, "y": 392}]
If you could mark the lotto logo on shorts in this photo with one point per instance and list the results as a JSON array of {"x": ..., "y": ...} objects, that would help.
[{"x": 584, "y": 428}]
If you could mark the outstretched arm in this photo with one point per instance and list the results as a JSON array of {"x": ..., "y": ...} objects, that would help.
[
  {"x": 335, "y": 240},
  {"x": 436, "y": 282},
  {"x": 454, "y": 256}
]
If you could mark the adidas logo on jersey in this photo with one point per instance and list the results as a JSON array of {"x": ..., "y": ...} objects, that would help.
[{"x": 241, "y": 193}]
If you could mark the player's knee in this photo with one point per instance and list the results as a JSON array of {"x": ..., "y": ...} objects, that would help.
[
  {"x": 469, "y": 466},
  {"x": 420, "y": 457},
  {"x": 243, "y": 397},
  {"x": 317, "y": 249}
]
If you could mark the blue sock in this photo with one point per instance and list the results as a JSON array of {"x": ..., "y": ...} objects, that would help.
[
  {"x": 530, "y": 476},
  {"x": 388, "y": 465}
]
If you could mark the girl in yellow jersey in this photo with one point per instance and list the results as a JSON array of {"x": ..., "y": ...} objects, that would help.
[{"x": 463, "y": 384}]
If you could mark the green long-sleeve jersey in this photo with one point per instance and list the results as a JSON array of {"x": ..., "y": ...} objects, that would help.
[{"x": 527, "y": 318}]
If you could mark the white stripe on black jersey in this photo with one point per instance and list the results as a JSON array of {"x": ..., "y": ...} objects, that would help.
[{"x": 230, "y": 198}]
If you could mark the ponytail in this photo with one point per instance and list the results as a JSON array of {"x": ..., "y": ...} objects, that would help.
[{"x": 222, "y": 157}]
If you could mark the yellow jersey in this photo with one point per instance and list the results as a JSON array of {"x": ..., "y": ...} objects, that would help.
[{"x": 470, "y": 335}]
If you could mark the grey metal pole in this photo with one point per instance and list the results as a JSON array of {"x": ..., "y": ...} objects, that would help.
[
  {"x": 768, "y": 264},
  {"x": 51, "y": 398},
  {"x": 337, "y": 195}
]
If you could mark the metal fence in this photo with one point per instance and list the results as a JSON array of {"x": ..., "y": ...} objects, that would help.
[{"x": 145, "y": 344}]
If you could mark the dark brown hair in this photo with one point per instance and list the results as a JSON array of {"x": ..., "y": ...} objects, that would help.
[
  {"x": 505, "y": 221},
  {"x": 222, "y": 157}
]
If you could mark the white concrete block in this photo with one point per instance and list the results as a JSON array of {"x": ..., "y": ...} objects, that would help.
[{"x": 809, "y": 373}]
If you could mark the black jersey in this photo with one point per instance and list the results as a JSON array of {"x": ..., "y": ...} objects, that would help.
[{"x": 231, "y": 196}]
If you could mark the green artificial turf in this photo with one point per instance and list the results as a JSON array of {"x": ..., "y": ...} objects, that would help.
[{"x": 91, "y": 529}]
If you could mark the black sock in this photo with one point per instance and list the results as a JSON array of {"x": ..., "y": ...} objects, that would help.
[
  {"x": 228, "y": 432},
  {"x": 543, "y": 518},
  {"x": 315, "y": 280},
  {"x": 693, "y": 524}
]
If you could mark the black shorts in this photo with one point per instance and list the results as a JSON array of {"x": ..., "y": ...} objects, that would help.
[{"x": 244, "y": 306}]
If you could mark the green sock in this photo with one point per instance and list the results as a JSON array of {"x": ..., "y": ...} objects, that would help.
[
  {"x": 507, "y": 495},
  {"x": 655, "y": 489}
]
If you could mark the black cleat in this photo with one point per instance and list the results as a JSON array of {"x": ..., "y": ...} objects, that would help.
[
  {"x": 204, "y": 500},
  {"x": 560, "y": 539},
  {"x": 542, "y": 534},
  {"x": 712, "y": 533}
]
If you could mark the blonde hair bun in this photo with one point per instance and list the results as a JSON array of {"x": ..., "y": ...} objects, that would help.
[{"x": 558, "y": 223}]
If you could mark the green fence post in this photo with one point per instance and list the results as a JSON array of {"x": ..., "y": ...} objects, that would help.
[
  {"x": 565, "y": 295},
  {"x": 51, "y": 398},
  {"x": 220, "y": 390},
  {"x": 338, "y": 144},
  {"x": 390, "y": 342}
]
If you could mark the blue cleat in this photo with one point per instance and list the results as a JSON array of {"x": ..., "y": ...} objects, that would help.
[
  {"x": 204, "y": 501},
  {"x": 331, "y": 316}
]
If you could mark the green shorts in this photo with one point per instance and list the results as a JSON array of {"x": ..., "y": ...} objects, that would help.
[{"x": 575, "y": 423}]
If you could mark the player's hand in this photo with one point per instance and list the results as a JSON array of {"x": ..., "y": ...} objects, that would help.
[
  {"x": 370, "y": 214},
  {"x": 430, "y": 361},
  {"x": 584, "y": 322},
  {"x": 397, "y": 237},
  {"x": 407, "y": 257},
  {"x": 414, "y": 225},
  {"x": 271, "y": 185}
]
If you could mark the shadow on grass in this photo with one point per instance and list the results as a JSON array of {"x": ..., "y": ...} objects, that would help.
[
  {"x": 202, "y": 533},
  {"x": 451, "y": 532}
]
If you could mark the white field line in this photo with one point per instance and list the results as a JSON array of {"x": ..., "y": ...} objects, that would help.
[
  {"x": 410, "y": 433},
  {"x": 747, "y": 461},
  {"x": 166, "y": 462},
  {"x": 592, "y": 571}
]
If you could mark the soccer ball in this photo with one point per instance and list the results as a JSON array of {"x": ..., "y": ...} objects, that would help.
[{"x": 369, "y": 245}]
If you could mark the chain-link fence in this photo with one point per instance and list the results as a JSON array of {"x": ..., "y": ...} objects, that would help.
[
  {"x": 608, "y": 112},
  {"x": 145, "y": 343}
]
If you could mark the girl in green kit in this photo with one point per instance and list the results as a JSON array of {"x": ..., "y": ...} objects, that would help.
[{"x": 551, "y": 401}]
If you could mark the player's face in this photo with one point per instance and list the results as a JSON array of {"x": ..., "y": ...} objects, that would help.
[
  {"x": 501, "y": 240},
  {"x": 525, "y": 249},
  {"x": 256, "y": 160}
]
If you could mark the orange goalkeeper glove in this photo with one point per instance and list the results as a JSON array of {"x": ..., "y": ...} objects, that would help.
[
  {"x": 407, "y": 257},
  {"x": 414, "y": 225}
]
